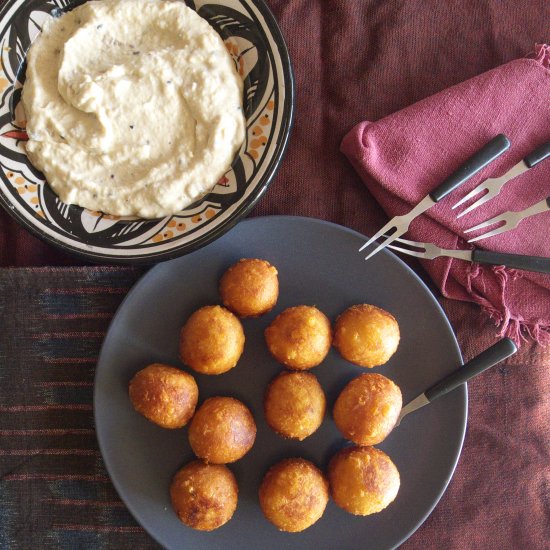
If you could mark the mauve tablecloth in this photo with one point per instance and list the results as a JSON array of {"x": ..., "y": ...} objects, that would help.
[{"x": 353, "y": 61}]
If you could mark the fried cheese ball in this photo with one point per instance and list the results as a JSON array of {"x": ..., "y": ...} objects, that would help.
[
  {"x": 294, "y": 404},
  {"x": 204, "y": 496},
  {"x": 164, "y": 395},
  {"x": 293, "y": 494},
  {"x": 363, "y": 480},
  {"x": 299, "y": 337},
  {"x": 222, "y": 430},
  {"x": 250, "y": 287},
  {"x": 212, "y": 340},
  {"x": 367, "y": 409},
  {"x": 366, "y": 335}
]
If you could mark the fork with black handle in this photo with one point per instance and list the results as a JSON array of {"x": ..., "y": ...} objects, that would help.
[
  {"x": 491, "y": 187},
  {"x": 430, "y": 251},
  {"x": 486, "y": 359},
  {"x": 398, "y": 225}
]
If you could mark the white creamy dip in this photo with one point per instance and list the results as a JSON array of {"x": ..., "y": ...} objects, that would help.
[{"x": 134, "y": 107}]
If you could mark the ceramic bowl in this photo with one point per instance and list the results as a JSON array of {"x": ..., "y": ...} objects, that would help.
[{"x": 253, "y": 38}]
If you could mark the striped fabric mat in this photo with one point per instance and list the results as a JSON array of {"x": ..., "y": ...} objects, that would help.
[{"x": 55, "y": 492}]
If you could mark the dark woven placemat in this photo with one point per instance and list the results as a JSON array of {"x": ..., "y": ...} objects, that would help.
[{"x": 54, "y": 489}]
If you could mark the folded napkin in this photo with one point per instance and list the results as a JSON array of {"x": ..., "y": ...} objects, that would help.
[{"x": 404, "y": 156}]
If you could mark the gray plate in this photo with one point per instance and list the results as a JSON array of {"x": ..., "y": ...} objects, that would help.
[{"x": 319, "y": 265}]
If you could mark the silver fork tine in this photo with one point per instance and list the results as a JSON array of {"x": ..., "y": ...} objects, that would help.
[
  {"x": 390, "y": 239},
  {"x": 481, "y": 187},
  {"x": 427, "y": 250},
  {"x": 496, "y": 219},
  {"x": 378, "y": 234},
  {"x": 496, "y": 231},
  {"x": 400, "y": 224},
  {"x": 511, "y": 219},
  {"x": 492, "y": 187},
  {"x": 500, "y": 229},
  {"x": 408, "y": 251},
  {"x": 487, "y": 197}
]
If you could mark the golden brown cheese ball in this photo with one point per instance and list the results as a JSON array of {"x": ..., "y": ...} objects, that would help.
[
  {"x": 367, "y": 409},
  {"x": 363, "y": 480},
  {"x": 165, "y": 395},
  {"x": 293, "y": 494},
  {"x": 366, "y": 335},
  {"x": 222, "y": 430},
  {"x": 204, "y": 496},
  {"x": 294, "y": 404},
  {"x": 299, "y": 337},
  {"x": 212, "y": 340},
  {"x": 250, "y": 287}
]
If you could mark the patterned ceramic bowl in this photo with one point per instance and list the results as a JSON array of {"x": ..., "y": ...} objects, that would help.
[{"x": 256, "y": 44}]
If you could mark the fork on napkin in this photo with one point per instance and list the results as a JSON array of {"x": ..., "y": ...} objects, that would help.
[{"x": 402, "y": 156}]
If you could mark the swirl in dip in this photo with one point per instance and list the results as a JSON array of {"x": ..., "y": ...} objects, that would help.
[{"x": 134, "y": 107}]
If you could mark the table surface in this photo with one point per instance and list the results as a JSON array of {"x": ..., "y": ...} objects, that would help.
[{"x": 353, "y": 61}]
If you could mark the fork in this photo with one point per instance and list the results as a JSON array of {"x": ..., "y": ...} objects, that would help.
[
  {"x": 430, "y": 251},
  {"x": 400, "y": 224},
  {"x": 492, "y": 186},
  {"x": 485, "y": 360},
  {"x": 509, "y": 220}
]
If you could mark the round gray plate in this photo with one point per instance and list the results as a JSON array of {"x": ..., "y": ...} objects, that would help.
[{"x": 319, "y": 264}]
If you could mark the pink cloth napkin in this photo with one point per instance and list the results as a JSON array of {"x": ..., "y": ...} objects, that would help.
[{"x": 404, "y": 156}]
